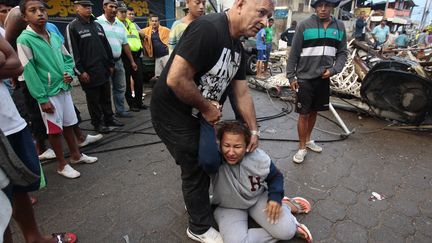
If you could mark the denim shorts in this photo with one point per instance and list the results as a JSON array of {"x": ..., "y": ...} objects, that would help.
[
  {"x": 268, "y": 51},
  {"x": 261, "y": 55}
]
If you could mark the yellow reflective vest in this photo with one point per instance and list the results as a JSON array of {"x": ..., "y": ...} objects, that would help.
[{"x": 133, "y": 36}]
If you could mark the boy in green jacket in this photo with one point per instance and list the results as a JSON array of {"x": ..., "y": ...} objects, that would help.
[{"x": 48, "y": 72}]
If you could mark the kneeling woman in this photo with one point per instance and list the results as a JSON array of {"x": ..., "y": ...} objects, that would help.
[{"x": 250, "y": 184}]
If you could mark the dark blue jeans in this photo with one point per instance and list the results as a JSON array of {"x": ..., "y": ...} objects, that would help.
[
  {"x": 209, "y": 156},
  {"x": 22, "y": 144},
  {"x": 183, "y": 144}
]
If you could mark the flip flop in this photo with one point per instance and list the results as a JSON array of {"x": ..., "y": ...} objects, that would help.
[
  {"x": 65, "y": 237},
  {"x": 302, "y": 205},
  {"x": 304, "y": 233}
]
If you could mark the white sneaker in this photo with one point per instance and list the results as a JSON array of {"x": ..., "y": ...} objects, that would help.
[
  {"x": 69, "y": 172},
  {"x": 90, "y": 139},
  {"x": 133, "y": 94},
  {"x": 48, "y": 154},
  {"x": 313, "y": 146},
  {"x": 84, "y": 159},
  {"x": 211, "y": 236},
  {"x": 299, "y": 156}
]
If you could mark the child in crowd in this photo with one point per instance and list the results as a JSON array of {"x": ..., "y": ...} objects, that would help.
[{"x": 48, "y": 72}]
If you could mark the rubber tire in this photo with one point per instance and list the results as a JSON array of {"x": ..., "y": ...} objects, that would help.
[{"x": 251, "y": 64}]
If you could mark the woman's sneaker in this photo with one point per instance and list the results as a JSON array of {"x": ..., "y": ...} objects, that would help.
[
  {"x": 211, "y": 236},
  {"x": 313, "y": 146},
  {"x": 299, "y": 156}
]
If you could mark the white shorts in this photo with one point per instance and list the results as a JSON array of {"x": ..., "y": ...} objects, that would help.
[
  {"x": 64, "y": 113},
  {"x": 160, "y": 63}
]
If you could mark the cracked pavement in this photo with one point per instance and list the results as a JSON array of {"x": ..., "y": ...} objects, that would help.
[{"x": 135, "y": 192}]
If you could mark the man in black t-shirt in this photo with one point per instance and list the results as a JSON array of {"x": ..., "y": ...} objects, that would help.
[{"x": 206, "y": 60}]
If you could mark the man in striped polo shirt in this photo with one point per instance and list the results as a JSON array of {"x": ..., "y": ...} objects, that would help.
[
  {"x": 116, "y": 35},
  {"x": 318, "y": 51}
]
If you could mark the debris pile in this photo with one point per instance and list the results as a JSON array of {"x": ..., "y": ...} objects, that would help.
[{"x": 391, "y": 84}]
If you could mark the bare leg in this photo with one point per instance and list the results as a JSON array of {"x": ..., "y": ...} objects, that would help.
[
  {"x": 310, "y": 124},
  {"x": 55, "y": 140},
  {"x": 69, "y": 135},
  {"x": 258, "y": 69},
  {"x": 302, "y": 128},
  {"x": 23, "y": 214},
  {"x": 80, "y": 137}
]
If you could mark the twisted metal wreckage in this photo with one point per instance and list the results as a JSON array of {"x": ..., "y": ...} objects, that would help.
[{"x": 390, "y": 84}]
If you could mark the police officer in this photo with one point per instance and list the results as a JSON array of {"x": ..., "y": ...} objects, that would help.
[{"x": 134, "y": 41}]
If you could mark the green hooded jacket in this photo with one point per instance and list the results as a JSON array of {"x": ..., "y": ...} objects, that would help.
[{"x": 44, "y": 64}]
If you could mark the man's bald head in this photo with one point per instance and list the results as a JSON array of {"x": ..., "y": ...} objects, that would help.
[{"x": 247, "y": 17}]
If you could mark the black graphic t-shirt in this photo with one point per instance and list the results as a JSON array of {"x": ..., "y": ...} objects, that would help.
[{"x": 216, "y": 57}]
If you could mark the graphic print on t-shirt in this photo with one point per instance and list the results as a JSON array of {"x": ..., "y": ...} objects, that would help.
[{"x": 214, "y": 82}]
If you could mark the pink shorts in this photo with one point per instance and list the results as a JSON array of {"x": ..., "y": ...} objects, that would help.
[{"x": 64, "y": 113}]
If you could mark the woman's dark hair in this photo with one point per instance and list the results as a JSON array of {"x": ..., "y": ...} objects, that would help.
[{"x": 234, "y": 127}]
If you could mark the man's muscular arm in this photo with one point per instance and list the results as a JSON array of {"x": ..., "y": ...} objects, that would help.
[
  {"x": 246, "y": 108},
  {"x": 11, "y": 68},
  {"x": 14, "y": 25},
  {"x": 180, "y": 80}
]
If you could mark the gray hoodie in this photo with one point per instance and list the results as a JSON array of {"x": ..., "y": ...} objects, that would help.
[
  {"x": 239, "y": 186},
  {"x": 315, "y": 49}
]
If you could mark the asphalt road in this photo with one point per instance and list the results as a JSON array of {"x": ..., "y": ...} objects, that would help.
[{"x": 134, "y": 189}]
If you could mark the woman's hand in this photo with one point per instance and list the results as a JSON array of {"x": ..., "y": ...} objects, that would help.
[{"x": 273, "y": 210}]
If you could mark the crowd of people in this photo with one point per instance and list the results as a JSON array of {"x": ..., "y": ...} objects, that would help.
[
  {"x": 198, "y": 64},
  {"x": 104, "y": 53},
  {"x": 382, "y": 35}
]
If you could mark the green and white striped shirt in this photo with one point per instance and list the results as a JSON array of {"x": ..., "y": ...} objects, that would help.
[{"x": 115, "y": 33}]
